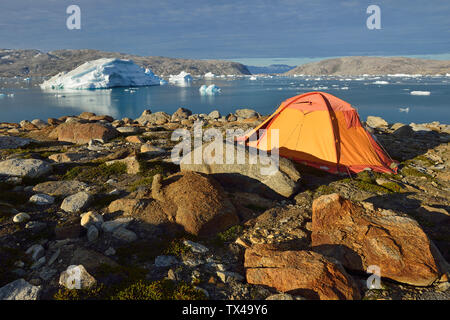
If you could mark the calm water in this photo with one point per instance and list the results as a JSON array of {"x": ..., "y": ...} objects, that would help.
[{"x": 264, "y": 95}]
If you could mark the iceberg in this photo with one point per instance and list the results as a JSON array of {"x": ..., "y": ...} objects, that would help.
[
  {"x": 181, "y": 79},
  {"x": 381, "y": 82},
  {"x": 102, "y": 74},
  {"x": 253, "y": 78},
  {"x": 209, "y": 75},
  {"x": 420, "y": 93},
  {"x": 209, "y": 90}
]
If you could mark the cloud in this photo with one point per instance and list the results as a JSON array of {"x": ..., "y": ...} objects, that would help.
[{"x": 221, "y": 29}]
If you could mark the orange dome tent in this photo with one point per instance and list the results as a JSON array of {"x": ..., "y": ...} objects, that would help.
[{"x": 323, "y": 131}]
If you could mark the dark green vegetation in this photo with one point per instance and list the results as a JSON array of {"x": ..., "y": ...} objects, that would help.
[
  {"x": 128, "y": 282},
  {"x": 148, "y": 169},
  {"x": 95, "y": 172},
  {"x": 228, "y": 235},
  {"x": 138, "y": 290}
]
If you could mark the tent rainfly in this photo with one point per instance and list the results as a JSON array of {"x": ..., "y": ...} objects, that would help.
[{"x": 322, "y": 131}]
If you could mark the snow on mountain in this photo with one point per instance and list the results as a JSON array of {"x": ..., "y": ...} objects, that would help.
[{"x": 101, "y": 74}]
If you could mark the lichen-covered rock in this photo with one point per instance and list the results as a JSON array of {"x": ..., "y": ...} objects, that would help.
[
  {"x": 60, "y": 188},
  {"x": 30, "y": 168},
  {"x": 271, "y": 180},
  {"x": 376, "y": 122},
  {"x": 153, "y": 118},
  {"x": 76, "y": 277},
  {"x": 12, "y": 142},
  {"x": 81, "y": 133},
  {"x": 304, "y": 273},
  {"x": 359, "y": 237},
  {"x": 201, "y": 205},
  {"x": 19, "y": 290},
  {"x": 76, "y": 202}
]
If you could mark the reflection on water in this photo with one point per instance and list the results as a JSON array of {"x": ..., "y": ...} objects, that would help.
[
  {"x": 97, "y": 101},
  {"x": 264, "y": 95}
]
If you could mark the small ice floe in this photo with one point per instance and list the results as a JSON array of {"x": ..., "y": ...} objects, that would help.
[
  {"x": 344, "y": 88},
  {"x": 209, "y": 90},
  {"x": 209, "y": 75},
  {"x": 381, "y": 82},
  {"x": 162, "y": 82},
  {"x": 181, "y": 79},
  {"x": 420, "y": 93},
  {"x": 406, "y": 110},
  {"x": 253, "y": 78},
  {"x": 2, "y": 95}
]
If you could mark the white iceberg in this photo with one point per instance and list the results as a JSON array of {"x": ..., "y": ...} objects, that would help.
[
  {"x": 102, "y": 74},
  {"x": 181, "y": 79},
  {"x": 209, "y": 90},
  {"x": 253, "y": 78},
  {"x": 381, "y": 82},
  {"x": 209, "y": 75},
  {"x": 420, "y": 93}
]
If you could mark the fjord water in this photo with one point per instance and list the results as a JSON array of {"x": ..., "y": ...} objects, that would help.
[{"x": 379, "y": 96}]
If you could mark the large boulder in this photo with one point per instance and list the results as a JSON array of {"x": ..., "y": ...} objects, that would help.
[
  {"x": 148, "y": 117},
  {"x": 19, "y": 290},
  {"x": 246, "y": 113},
  {"x": 76, "y": 202},
  {"x": 376, "y": 122},
  {"x": 180, "y": 114},
  {"x": 76, "y": 277},
  {"x": 202, "y": 207},
  {"x": 194, "y": 201},
  {"x": 81, "y": 133},
  {"x": 360, "y": 237},
  {"x": 12, "y": 142},
  {"x": 259, "y": 177},
  {"x": 30, "y": 168},
  {"x": 303, "y": 273},
  {"x": 403, "y": 132}
]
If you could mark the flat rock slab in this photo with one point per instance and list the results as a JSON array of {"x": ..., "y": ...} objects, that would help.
[
  {"x": 60, "y": 188},
  {"x": 12, "y": 142},
  {"x": 30, "y": 168},
  {"x": 299, "y": 272},
  {"x": 360, "y": 237}
]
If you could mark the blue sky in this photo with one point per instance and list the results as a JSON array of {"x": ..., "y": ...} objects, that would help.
[{"x": 230, "y": 29}]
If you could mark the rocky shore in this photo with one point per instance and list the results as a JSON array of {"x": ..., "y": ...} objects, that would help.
[{"x": 98, "y": 200}]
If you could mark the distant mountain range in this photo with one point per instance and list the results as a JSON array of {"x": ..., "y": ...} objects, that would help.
[
  {"x": 25, "y": 63},
  {"x": 373, "y": 66},
  {"x": 272, "y": 69}
]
